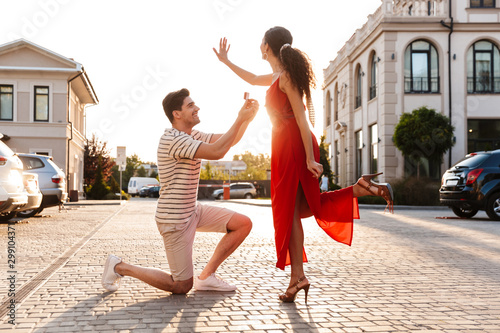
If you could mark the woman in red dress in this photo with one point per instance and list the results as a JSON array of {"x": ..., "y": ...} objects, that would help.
[{"x": 295, "y": 170}]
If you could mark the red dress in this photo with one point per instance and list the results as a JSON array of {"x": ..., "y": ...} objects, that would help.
[{"x": 334, "y": 211}]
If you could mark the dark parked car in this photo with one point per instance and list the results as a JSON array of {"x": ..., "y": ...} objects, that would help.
[
  {"x": 150, "y": 191},
  {"x": 473, "y": 184}
]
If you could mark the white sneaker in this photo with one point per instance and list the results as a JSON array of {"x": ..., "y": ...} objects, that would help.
[
  {"x": 111, "y": 279},
  {"x": 213, "y": 283}
]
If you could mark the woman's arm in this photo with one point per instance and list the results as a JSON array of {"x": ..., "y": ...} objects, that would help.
[
  {"x": 256, "y": 80},
  {"x": 295, "y": 98}
]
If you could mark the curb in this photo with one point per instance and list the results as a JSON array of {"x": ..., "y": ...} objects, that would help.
[{"x": 96, "y": 203}]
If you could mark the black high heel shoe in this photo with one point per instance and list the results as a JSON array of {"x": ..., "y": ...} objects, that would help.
[
  {"x": 289, "y": 297},
  {"x": 383, "y": 190}
]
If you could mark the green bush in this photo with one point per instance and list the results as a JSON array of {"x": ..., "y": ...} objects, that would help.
[{"x": 416, "y": 192}]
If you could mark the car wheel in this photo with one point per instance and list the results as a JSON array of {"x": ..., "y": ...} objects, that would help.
[
  {"x": 248, "y": 196},
  {"x": 493, "y": 207},
  {"x": 5, "y": 216},
  {"x": 27, "y": 213},
  {"x": 462, "y": 212},
  {"x": 220, "y": 196}
]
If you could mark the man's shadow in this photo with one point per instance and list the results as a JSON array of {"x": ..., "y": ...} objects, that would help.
[{"x": 154, "y": 314}]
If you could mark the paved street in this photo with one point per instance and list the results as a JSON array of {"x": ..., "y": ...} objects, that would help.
[{"x": 407, "y": 272}]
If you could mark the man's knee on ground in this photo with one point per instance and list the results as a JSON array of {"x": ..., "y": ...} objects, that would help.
[{"x": 182, "y": 287}]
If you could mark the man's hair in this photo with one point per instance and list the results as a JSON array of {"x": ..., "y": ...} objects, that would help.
[{"x": 173, "y": 101}]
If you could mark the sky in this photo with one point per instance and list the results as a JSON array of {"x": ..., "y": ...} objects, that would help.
[{"x": 136, "y": 52}]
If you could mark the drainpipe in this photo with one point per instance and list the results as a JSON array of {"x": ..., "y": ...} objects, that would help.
[
  {"x": 450, "y": 27},
  {"x": 71, "y": 126}
]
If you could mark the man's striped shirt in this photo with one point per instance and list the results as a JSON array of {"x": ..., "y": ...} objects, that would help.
[{"x": 179, "y": 174}]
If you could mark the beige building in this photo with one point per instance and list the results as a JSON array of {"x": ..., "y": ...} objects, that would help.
[
  {"x": 442, "y": 54},
  {"x": 43, "y": 96}
]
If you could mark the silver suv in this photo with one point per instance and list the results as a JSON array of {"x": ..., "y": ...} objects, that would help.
[
  {"x": 51, "y": 180},
  {"x": 13, "y": 195},
  {"x": 237, "y": 190}
]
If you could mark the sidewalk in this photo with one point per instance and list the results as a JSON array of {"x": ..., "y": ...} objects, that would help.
[{"x": 405, "y": 272}]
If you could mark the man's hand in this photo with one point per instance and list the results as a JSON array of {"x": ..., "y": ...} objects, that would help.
[
  {"x": 249, "y": 110},
  {"x": 223, "y": 50}
]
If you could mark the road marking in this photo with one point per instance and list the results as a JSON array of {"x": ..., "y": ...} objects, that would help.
[{"x": 31, "y": 286}]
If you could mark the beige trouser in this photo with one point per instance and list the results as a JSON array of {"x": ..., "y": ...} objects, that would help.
[{"x": 179, "y": 237}]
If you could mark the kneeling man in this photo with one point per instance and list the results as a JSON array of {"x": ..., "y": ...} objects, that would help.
[{"x": 178, "y": 214}]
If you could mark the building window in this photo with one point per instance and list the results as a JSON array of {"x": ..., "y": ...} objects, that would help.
[
  {"x": 483, "y": 134},
  {"x": 328, "y": 103},
  {"x": 373, "y": 76},
  {"x": 359, "y": 74},
  {"x": 41, "y": 103},
  {"x": 482, "y": 4},
  {"x": 6, "y": 102},
  {"x": 483, "y": 68},
  {"x": 421, "y": 68},
  {"x": 374, "y": 148},
  {"x": 359, "y": 153}
]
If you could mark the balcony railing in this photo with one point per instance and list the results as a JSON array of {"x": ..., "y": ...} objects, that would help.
[
  {"x": 422, "y": 85},
  {"x": 357, "y": 102},
  {"x": 418, "y": 8},
  {"x": 483, "y": 85},
  {"x": 373, "y": 92}
]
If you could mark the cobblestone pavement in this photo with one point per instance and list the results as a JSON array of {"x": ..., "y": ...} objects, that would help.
[{"x": 407, "y": 272}]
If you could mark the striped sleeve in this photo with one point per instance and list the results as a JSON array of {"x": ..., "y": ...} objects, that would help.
[
  {"x": 197, "y": 135},
  {"x": 184, "y": 146}
]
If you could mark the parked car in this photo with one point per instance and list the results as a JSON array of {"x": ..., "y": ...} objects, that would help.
[
  {"x": 136, "y": 183},
  {"x": 237, "y": 191},
  {"x": 473, "y": 184},
  {"x": 13, "y": 195},
  {"x": 150, "y": 191},
  {"x": 35, "y": 196},
  {"x": 51, "y": 180}
]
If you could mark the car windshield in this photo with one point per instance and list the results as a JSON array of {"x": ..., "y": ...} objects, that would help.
[{"x": 472, "y": 161}]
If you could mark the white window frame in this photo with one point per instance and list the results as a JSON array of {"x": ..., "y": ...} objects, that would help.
[
  {"x": 41, "y": 150},
  {"x": 32, "y": 100},
  {"x": 14, "y": 97}
]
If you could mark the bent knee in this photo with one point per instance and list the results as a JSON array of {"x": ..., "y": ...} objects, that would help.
[{"x": 182, "y": 287}]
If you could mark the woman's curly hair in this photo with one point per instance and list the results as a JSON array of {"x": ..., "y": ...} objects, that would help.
[{"x": 295, "y": 62}]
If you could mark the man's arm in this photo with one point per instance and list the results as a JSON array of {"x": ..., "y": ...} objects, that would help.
[
  {"x": 220, "y": 146},
  {"x": 241, "y": 131}
]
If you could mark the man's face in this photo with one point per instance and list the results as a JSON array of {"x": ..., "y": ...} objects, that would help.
[{"x": 189, "y": 112}]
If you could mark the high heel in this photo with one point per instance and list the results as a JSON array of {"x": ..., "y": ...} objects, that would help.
[
  {"x": 288, "y": 297},
  {"x": 384, "y": 190}
]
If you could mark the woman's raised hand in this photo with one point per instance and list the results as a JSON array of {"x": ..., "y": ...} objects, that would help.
[{"x": 223, "y": 50}]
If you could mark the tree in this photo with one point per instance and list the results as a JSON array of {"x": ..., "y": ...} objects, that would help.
[
  {"x": 424, "y": 133},
  {"x": 96, "y": 154},
  {"x": 257, "y": 166},
  {"x": 209, "y": 172},
  {"x": 325, "y": 162},
  {"x": 141, "y": 172},
  {"x": 99, "y": 188}
]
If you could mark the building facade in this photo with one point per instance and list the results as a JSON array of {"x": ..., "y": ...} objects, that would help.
[
  {"x": 441, "y": 54},
  {"x": 43, "y": 99}
]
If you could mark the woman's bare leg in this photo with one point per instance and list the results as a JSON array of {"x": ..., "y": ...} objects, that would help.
[{"x": 296, "y": 244}]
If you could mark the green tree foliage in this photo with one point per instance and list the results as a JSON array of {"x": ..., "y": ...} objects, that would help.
[
  {"x": 99, "y": 188},
  {"x": 325, "y": 162},
  {"x": 141, "y": 172},
  {"x": 96, "y": 153},
  {"x": 257, "y": 166},
  {"x": 424, "y": 133}
]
